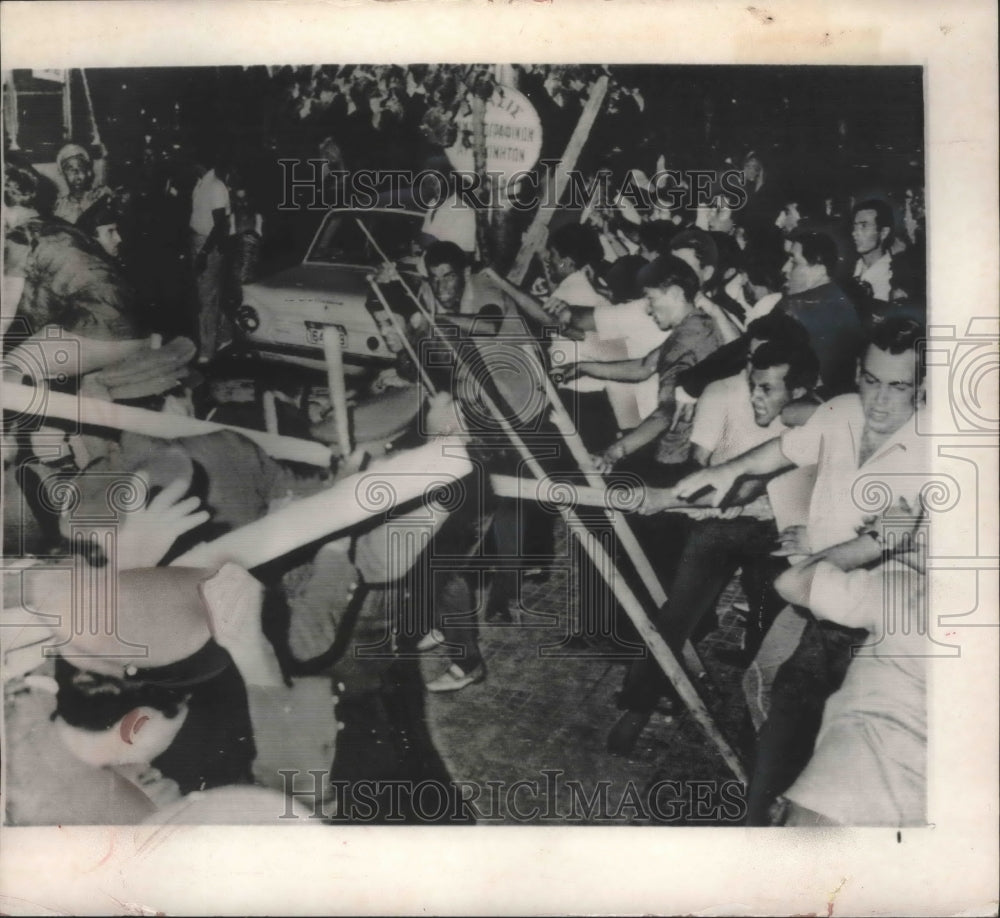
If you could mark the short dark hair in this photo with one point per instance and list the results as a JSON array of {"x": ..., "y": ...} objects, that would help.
[
  {"x": 579, "y": 242},
  {"x": 778, "y": 325},
  {"x": 444, "y": 253},
  {"x": 803, "y": 364},
  {"x": 94, "y": 701},
  {"x": 764, "y": 256},
  {"x": 701, "y": 243},
  {"x": 884, "y": 216},
  {"x": 21, "y": 184},
  {"x": 818, "y": 249},
  {"x": 669, "y": 271},
  {"x": 807, "y": 201},
  {"x": 899, "y": 334},
  {"x": 655, "y": 235}
]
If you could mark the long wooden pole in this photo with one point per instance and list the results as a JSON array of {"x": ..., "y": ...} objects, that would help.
[
  {"x": 564, "y": 424},
  {"x": 663, "y": 655},
  {"x": 94, "y": 412},
  {"x": 534, "y": 237},
  {"x": 350, "y": 501},
  {"x": 651, "y": 580},
  {"x": 483, "y": 240}
]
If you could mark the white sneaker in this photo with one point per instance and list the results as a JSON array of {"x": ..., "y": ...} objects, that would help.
[
  {"x": 455, "y": 678},
  {"x": 429, "y": 641}
]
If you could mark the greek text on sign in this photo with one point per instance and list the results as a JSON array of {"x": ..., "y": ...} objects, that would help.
[{"x": 513, "y": 135}]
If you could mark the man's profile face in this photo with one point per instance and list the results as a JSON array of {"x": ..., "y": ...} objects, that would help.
[
  {"x": 888, "y": 389},
  {"x": 79, "y": 174},
  {"x": 666, "y": 305},
  {"x": 448, "y": 285},
  {"x": 768, "y": 393},
  {"x": 752, "y": 169},
  {"x": 865, "y": 232},
  {"x": 109, "y": 239},
  {"x": 799, "y": 274},
  {"x": 789, "y": 218},
  {"x": 560, "y": 266}
]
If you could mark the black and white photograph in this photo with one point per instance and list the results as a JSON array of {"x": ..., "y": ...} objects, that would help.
[{"x": 491, "y": 443}]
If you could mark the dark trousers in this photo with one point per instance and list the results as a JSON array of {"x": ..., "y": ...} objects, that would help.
[
  {"x": 801, "y": 687},
  {"x": 711, "y": 553},
  {"x": 456, "y": 616}
]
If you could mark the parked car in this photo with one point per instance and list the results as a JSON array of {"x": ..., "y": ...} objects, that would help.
[{"x": 283, "y": 318}]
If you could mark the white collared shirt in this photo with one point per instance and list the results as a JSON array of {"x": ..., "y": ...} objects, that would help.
[
  {"x": 878, "y": 275},
  {"x": 846, "y": 492}
]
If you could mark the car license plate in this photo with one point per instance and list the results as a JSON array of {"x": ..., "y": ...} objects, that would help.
[{"x": 314, "y": 333}]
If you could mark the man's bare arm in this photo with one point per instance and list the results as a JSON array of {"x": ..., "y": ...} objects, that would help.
[{"x": 763, "y": 460}]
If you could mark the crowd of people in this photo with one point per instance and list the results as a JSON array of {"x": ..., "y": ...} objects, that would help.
[{"x": 745, "y": 361}]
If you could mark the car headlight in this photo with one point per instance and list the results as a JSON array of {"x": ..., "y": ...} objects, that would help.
[{"x": 247, "y": 318}]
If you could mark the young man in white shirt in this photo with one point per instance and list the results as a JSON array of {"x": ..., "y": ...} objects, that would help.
[
  {"x": 734, "y": 415},
  {"x": 871, "y": 232}
]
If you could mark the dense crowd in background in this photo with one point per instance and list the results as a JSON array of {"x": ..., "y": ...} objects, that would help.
[{"x": 688, "y": 336}]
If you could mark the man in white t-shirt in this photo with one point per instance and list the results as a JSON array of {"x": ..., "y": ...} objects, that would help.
[
  {"x": 210, "y": 212},
  {"x": 734, "y": 415},
  {"x": 871, "y": 232}
]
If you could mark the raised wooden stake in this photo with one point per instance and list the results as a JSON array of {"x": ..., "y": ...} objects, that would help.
[
  {"x": 483, "y": 236},
  {"x": 605, "y": 565},
  {"x": 651, "y": 580},
  {"x": 536, "y": 234}
]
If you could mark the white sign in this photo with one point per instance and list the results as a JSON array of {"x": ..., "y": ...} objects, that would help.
[{"x": 513, "y": 135}]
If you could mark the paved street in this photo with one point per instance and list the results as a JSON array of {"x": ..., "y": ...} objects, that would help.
[{"x": 543, "y": 713}]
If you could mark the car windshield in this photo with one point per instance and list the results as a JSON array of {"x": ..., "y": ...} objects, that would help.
[{"x": 341, "y": 241}]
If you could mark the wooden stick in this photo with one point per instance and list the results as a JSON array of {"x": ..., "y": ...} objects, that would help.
[
  {"x": 350, "y": 501},
  {"x": 338, "y": 391},
  {"x": 421, "y": 308},
  {"x": 534, "y": 237},
  {"x": 97, "y": 413},
  {"x": 565, "y": 494},
  {"x": 482, "y": 217},
  {"x": 564, "y": 423},
  {"x": 663, "y": 654},
  {"x": 651, "y": 580}
]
